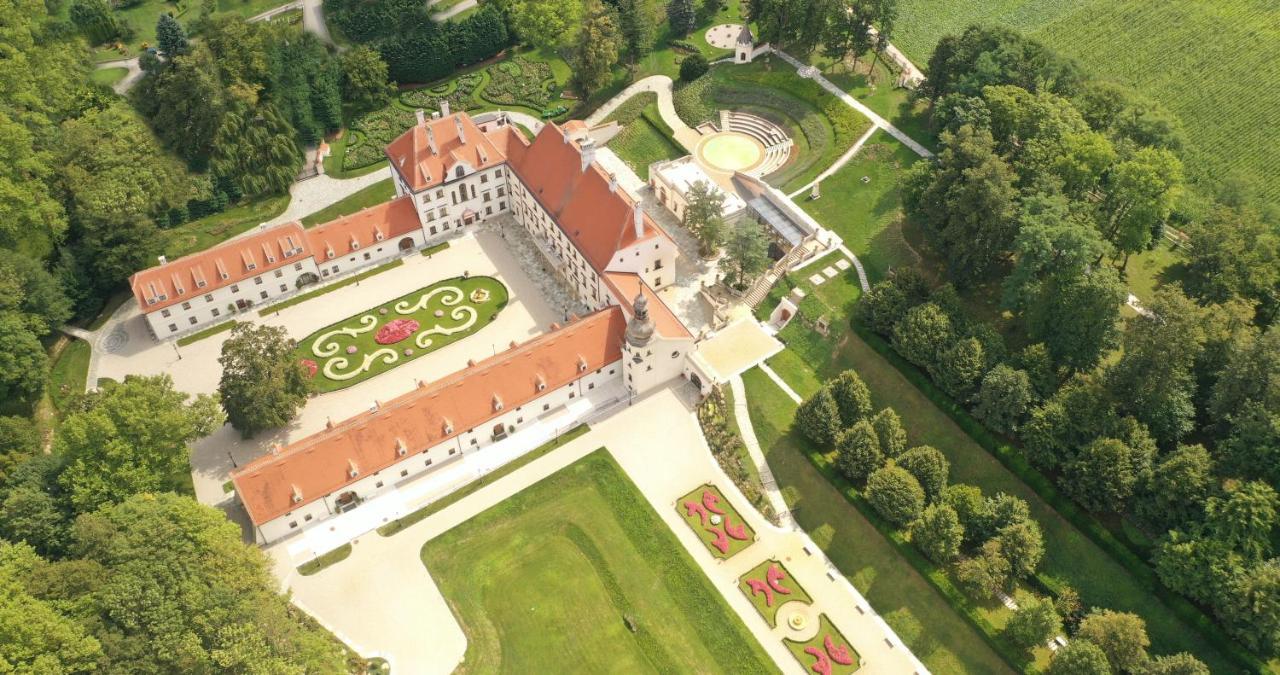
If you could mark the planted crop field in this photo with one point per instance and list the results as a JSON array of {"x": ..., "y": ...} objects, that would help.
[{"x": 1213, "y": 63}]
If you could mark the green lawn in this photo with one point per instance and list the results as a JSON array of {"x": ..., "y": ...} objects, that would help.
[
  {"x": 702, "y": 521},
  {"x": 826, "y": 630},
  {"x": 641, "y": 143},
  {"x": 346, "y": 352},
  {"x": 329, "y": 288},
  {"x": 761, "y": 600},
  {"x": 578, "y": 574},
  {"x": 108, "y": 76},
  {"x": 68, "y": 372},
  {"x": 318, "y": 563},
  {"x": 373, "y": 195},
  {"x": 208, "y": 332},
  {"x": 872, "y": 229},
  {"x": 143, "y": 16},
  {"x": 1070, "y": 557},
  {"x": 1212, "y": 63},
  {"x": 936, "y": 633},
  {"x": 200, "y": 234}
]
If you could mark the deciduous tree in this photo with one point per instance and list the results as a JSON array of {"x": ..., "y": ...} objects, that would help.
[
  {"x": 23, "y": 362},
  {"x": 1033, "y": 624},
  {"x": 858, "y": 452},
  {"x": 938, "y": 533},
  {"x": 930, "y": 468},
  {"x": 262, "y": 384},
  {"x": 895, "y": 494},
  {"x": 1121, "y": 636},
  {"x": 1004, "y": 398},
  {"x": 1080, "y": 657},
  {"x": 888, "y": 426},
  {"x": 746, "y": 254},
  {"x": 597, "y": 50},
  {"x": 364, "y": 78},
  {"x": 852, "y": 397}
]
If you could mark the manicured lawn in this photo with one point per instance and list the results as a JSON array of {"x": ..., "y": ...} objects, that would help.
[
  {"x": 839, "y": 645},
  {"x": 761, "y": 598},
  {"x": 347, "y": 352},
  {"x": 578, "y": 574},
  {"x": 701, "y": 508},
  {"x": 868, "y": 214},
  {"x": 318, "y": 563},
  {"x": 397, "y": 525},
  {"x": 108, "y": 76},
  {"x": 373, "y": 195},
  {"x": 641, "y": 143},
  {"x": 329, "y": 288},
  {"x": 1070, "y": 557},
  {"x": 143, "y": 16},
  {"x": 67, "y": 374},
  {"x": 936, "y": 633},
  {"x": 212, "y": 330},
  {"x": 202, "y": 233}
]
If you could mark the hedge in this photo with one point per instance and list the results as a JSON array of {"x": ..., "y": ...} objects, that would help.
[{"x": 1013, "y": 460}]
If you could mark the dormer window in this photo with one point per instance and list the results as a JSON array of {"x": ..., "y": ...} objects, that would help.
[
  {"x": 352, "y": 469},
  {"x": 152, "y": 300},
  {"x": 401, "y": 448},
  {"x": 200, "y": 283},
  {"x": 497, "y": 403},
  {"x": 541, "y": 384},
  {"x": 378, "y": 235},
  {"x": 459, "y": 172},
  {"x": 297, "y": 495},
  {"x": 448, "y": 427},
  {"x": 582, "y": 365}
]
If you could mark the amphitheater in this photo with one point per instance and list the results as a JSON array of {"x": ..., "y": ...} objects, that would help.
[{"x": 743, "y": 142}]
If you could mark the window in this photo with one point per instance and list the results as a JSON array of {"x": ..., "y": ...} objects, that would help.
[
  {"x": 279, "y": 273},
  {"x": 367, "y": 255},
  {"x": 215, "y": 312},
  {"x": 484, "y": 178},
  {"x": 308, "y": 517},
  {"x": 284, "y": 288},
  {"x": 335, "y": 269},
  {"x": 572, "y": 394},
  {"x": 501, "y": 191},
  {"x": 297, "y": 267},
  {"x": 487, "y": 196},
  {"x": 263, "y": 295},
  {"x": 208, "y": 298},
  {"x": 165, "y": 313},
  {"x": 675, "y": 355},
  {"x": 428, "y": 462},
  {"x": 498, "y": 173},
  {"x": 257, "y": 281},
  {"x": 519, "y": 420},
  {"x": 378, "y": 484},
  {"x": 404, "y": 472},
  {"x": 546, "y": 407},
  {"x": 186, "y": 305},
  {"x": 173, "y": 328},
  {"x": 293, "y": 524},
  {"x": 235, "y": 288},
  {"x": 458, "y": 173},
  {"x": 193, "y": 320},
  {"x": 591, "y": 385}
]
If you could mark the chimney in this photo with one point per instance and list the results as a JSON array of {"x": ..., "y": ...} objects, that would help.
[
  {"x": 587, "y": 149},
  {"x": 422, "y": 118},
  {"x": 431, "y": 141},
  {"x": 163, "y": 260},
  {"x": 462, "y": 134},
  {"x": 444, "y": 108},
  {"x": 637, "y": 219},
  {"x": 613, "y": 183}
]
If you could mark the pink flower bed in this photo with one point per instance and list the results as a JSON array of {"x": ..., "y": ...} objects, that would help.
[
  {"x": 822, "y": 665},
  {"x": 310, "y": 366},
  {"x": 691, "y": 508},
  {"x": 738, "y": 532},
  {"x": 395, "y": 330},
  {"x": 712, "y": 502},
  {"x": 721, "y": 542},
  {"x": 757, "y": 587},
  {"x": 774, "y": 576},
  {"x": 838, "y": 653}
]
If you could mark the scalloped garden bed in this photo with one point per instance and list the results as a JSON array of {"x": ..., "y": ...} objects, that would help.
[
  {"x": 828, "y": 653},
  {"x": 716, "y": 522},
  {"x": 769, "y": 586},
  {"x": 372, "y": 342}
]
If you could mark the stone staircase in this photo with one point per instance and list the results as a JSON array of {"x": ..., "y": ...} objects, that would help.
[{"x": 760, "y": 289}]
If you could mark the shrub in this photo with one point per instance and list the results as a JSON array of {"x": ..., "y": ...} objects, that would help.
[
  {"x": 853, "y": 398},
  {"x": 895, "y": 494},
  {"x": 888, "y": 426},
  {"x": 929, "y": 467},
  {"x": 693, "y": 66},
  {"x": 938, "y": 533},
  {"x": 858, "y": 452}
]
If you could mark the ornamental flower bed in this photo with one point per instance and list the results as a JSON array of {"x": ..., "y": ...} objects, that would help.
[
  {"x": 373, "y": 341},
  {"x": 828, "y": 653},
  {"x": 717, "y": 523},
  {"x": 769, "y": 586}
]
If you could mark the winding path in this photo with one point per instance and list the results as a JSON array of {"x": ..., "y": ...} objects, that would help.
[
  {"x": 662, "y": 86},
  {"x": 135, "y": 73}
]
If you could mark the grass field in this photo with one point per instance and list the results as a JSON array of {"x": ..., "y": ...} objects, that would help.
[
  {"x": 1070, "y": 557},
  {"x": 108, "y": 76},
  {"x": 936, "y": 633},
  {"x": 67, "y": 374},
  {"x": 644, "y": 138},
  {"x": 199, "y": 234},
  {"x": 578, "y": 574},
  {"x": 1213, "y": 63},
  {"x": 373, "y": 195}
]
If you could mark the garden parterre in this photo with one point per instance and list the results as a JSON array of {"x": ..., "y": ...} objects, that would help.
[
  {"x": 716, "y": 522},
  {"x": 770, "y": 586}
]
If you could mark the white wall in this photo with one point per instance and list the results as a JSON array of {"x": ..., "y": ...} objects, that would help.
[
  {"x": 654, "y": 259},
  {"x": 209, "y": 308},
  {"x": 662, "y": 360},
  {"x": 564, "y": 256},
  {"x": 485, "y": 192}
]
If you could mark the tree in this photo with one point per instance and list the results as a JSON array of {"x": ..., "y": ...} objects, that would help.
[
  {"x": 636, "y": 22},
  {"x": 364, "y": 78},
  {"x": 858, "y": 452},
  {"x": 1055, "y": 244},
  {"x": 94, "y": 19},
  {"x": 597, "y": 50},
  {"x": 1177, "y": 488},
  {"x": 922, "y": 334},
  {"x": 994, "y": 55},
  {"x": 170, "y": 37},
  {"x": 39, "y": 638},
  {"x": 1138, "y": 196},
  {"x": 131, "y": 438},
  {"x": 1249, "y": 607},
  {"x": 546, "y": 24},
  {"x": 1034, "y": 624},
  {"x": 969, "y": 505},
  {"x": 938, "y": 533},
  {"x": 681, "y": 16},
  {"x": 255, "y": 151},
  {"x": 1181, "y": 663},
  {"x": 884, "y": 14},
  {"x": 19, "y": 439},
  {"x": 888, "y": 301},
  {"x": 32, "y": 219},
  {"x": 703, "y": 216},
  {"x": 1234, "y": 252},
  {"x": 1247, "y": 385},
  {"x": 1243, "y": 518},
  {"x": 895, "y": 494},
  {"x": 1105, "y": 474},
  {"x": 1004, "y": 397},
  {"x": 28, "y": 289},
  {"x": 693, "y": 66},
  {"x": 179, "y": 592},
  {"x": 262, "y": 384},
  {"x": 1154, "y": 379},
  {"x": 23, "y": 362},
  {"x": 965, "y": 201},
  {"x": 852, "y": 397},
  {"x": 986, "y": 573},
  {"x": 1078, "y": 320},
  {"x": 1023, "y": 546},
  {"x": 929, "y": 467},
  {"x": 746, "y": 253},
  {"x": 848, "y": 32},
  {"x": 959, "y": 368},
  {"x": 997, "y": 512},
  {"x": 184, "y": 103},
  {"x": 32, "y": 516},
  {"x": 1079, "y": 657},
  {"x": 1120, "y": 635},
  {"x": 818, "y": 418},
  {"x": 888, "y": 426}
]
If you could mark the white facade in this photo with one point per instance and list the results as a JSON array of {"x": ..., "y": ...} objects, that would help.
[
  {"x": 218, "y": 305},
  {"x": 467, "y": 197},
  {"x": 421, "y": 461},
  {"x": 671, "y": 181}
]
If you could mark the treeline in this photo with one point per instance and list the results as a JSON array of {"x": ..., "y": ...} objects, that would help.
[
  {"x": 1045, "y": 184},
  {"x": 416, "y": 48}
]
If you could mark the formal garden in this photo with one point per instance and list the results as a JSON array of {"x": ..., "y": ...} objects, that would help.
[
  {"x": 827, "y": 652},
  {"x": 716, "y": 522},
  {"x": 578, "y": 573},
  {"x": 370, "y": 343},
  {"x": 770, "y": 586}
]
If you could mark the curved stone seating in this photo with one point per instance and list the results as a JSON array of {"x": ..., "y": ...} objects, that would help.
[{"x": 777, "y": 144}]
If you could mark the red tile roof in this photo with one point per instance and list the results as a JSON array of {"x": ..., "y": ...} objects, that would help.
[
  {"x": 360, "y": 230},
  {"x": 425, "y": 154},
  {"x": 318, "y": 465},
  {"x": 598, "y": 220},
  {"x": 225, "y": 264},
  {"x": 627, "y": 285}
]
